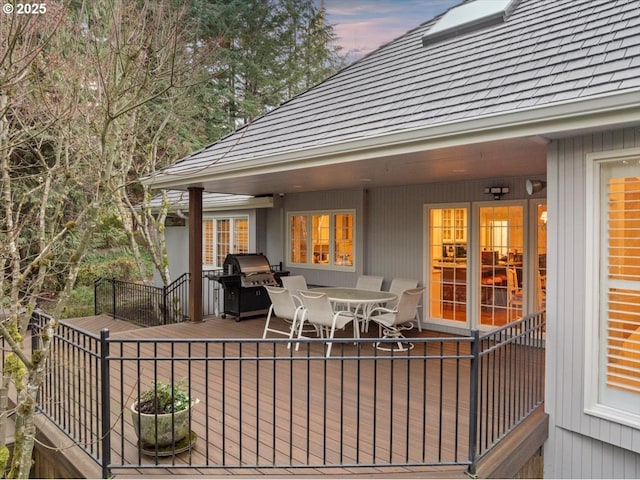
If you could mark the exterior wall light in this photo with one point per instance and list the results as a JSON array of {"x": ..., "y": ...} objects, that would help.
[
  {"x": 534, "y": 186},
  {"x": 497, "y": 192}
]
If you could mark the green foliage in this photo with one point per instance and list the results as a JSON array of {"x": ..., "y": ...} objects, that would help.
[
  {"x": 110, "y": 264},
  {"x": 163, "y": 398},
  {"x": 4, "y": 458},
  {"x": 109, "y": 232},
  {"x": 80, "y": 303},
  {"x": 14, "y": 367},
  {"x": 268, "y": 51}
]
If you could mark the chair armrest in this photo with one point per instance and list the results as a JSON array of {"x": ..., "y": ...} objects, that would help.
[{"x": 382, "y": 310}]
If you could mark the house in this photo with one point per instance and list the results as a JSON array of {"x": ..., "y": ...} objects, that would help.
[{"x": 493, "y": 153}]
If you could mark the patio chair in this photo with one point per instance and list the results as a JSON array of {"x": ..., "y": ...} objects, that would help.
[
  {"x": 294, "y": 283},
  {"x": 318, "y": 311},
  {"x": 399, "y": 285},
  {"x": 366, "y": 282},
  {"x": 393, "y": 321},
  {"x": 284, "y": 306},
  {"x": 369, "y": 282}
]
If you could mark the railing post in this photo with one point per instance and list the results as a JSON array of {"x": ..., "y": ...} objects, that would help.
[
  {"x": 95, "y": 296},
  {"x": 36, "y": 327},
  {"x": 105, "y": 395},
  {"x": 113, "y": 299},
  {"x": 473, "y": 401},
  {"x": 164, "y": 304}
]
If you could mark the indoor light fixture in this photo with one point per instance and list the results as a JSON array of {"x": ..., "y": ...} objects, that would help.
[
  {"x": 544, "y": 217},
  {"x": 534, "y": 186},
  {"x": 497, "y": 192}
]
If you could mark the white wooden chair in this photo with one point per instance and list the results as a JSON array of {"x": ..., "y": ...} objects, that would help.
[
  {"x": 515, "y": 299},
  {"x": 393, "y": 321},
  {"x": 285, "y": 307},
  {"x": 319, "y": 311}
]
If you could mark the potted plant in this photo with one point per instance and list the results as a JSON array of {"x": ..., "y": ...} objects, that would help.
[{"x": 161, "y": 418}]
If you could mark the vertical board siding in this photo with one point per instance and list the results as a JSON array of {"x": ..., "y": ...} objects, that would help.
[
  {"x": 389, "y": 222},
  {"x": 583, "y": 457},
  {"x": 579, "y": 445}
]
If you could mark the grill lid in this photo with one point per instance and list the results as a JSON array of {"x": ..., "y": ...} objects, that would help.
[{"x": 247, "y": 263}]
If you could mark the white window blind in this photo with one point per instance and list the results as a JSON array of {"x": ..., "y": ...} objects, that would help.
[{"x": 622, "y": 230}]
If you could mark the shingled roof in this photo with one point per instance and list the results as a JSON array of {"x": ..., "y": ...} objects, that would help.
[{"x": 547, "y": 53}]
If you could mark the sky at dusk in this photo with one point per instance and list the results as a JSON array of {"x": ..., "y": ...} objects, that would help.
[{"x": 364, "y": 25}]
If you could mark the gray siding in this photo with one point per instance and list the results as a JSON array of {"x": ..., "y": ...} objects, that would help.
[
  {"x": 177, "y": 239},
  {"x": 577, "y": 456},
  {"x": 579, "y": 445},
  {"x": 389, "y": 224}
]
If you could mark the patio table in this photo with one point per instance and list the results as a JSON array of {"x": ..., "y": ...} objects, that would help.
[{"x": 361, "y": 299}]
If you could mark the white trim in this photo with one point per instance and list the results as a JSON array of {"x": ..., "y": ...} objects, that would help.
[
  {"x": 332, "y": 231},
  {"x": 447, "y": 325},
  {"x": 592, "y": 293},
  {"x": 232, "y": 218},
  {"x": 592, "y": 327}
]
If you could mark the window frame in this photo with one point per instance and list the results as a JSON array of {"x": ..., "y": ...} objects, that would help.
[
  {"x": 593, "y": 404},
  {"x": 232, "y": 240},
  {"x": 331, "y": 265}
]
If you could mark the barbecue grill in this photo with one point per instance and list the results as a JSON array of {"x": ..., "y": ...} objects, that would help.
[{"x": 245, "y": 276}]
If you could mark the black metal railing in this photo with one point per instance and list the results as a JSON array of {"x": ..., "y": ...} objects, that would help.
[
  {"x": 264, "y": 405},
  {"x": 149, "y": 305}
]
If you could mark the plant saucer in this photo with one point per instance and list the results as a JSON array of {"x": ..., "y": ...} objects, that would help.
[{"x": 183, "y": 445}]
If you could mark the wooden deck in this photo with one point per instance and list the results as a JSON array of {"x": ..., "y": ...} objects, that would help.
[{"x": 339, "y": 434}]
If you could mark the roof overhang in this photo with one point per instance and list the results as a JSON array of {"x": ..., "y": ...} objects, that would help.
[
  {"x": 531, "y": 124},
  {"x": 178, "y": 202}
]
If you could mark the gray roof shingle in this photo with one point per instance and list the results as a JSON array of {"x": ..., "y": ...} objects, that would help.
[{"x": 546, "y": 52}]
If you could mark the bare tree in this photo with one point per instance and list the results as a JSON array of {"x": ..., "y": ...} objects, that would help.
[{"x": 73, "y": 82}]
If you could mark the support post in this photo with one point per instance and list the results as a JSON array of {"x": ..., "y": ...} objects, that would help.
[{"x": 195, "y": 253}]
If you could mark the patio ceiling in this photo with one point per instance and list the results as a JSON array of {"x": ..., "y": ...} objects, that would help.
[{"x": 495, "y": 159}]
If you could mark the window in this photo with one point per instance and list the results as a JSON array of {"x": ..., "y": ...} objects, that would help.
[
  {"x": 613, "y": 241},
  {"x": 322, "y": 239},
  {"x": 222, "y": 236}
]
